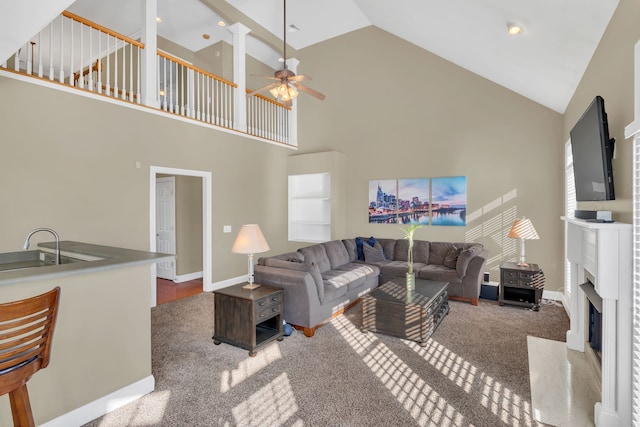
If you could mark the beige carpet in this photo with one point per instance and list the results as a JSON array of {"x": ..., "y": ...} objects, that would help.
[{"x": 474, "y": 371}]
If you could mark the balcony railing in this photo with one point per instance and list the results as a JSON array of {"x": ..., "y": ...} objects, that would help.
[{"x": 79, "y": 53}]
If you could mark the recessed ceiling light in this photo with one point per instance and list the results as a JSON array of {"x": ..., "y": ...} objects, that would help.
[
  {"x": 514, "y": 29},
  {"x": 158, "y": 19},
  {"x": 222, "y": 24}
]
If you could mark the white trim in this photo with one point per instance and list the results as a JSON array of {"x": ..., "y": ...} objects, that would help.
[
  {"x": 186, "y": 277},
  {"x": 64, "y": 88},
  {"x": 206, "y": 219},
  {"x": 105, "y": 404}
]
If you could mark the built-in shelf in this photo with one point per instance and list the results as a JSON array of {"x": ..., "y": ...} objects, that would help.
[{"x": 310, "y": 207}]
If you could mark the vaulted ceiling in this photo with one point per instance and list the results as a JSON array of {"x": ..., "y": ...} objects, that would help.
[{"x": 544, "y": 63}]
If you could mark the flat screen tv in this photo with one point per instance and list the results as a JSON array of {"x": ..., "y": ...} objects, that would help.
[{"x": 592, "y": 153}]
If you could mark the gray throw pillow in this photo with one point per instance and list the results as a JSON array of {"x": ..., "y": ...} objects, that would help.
[
  {"x": 452, "y": 257},
  {"x": 373, "y": 254}
]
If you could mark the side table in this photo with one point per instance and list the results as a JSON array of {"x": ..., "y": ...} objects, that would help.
[
  {"x": 521, "y": 285},
  {"x": 248, "y": 318}
]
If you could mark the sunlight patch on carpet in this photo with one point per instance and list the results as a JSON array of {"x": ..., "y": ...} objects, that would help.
[
  {"x": 273, "y": 405},
  {"x": 419, "y": 399},
  {"x": 249, "y": 367},
  {"x": 510, "y": 407}
]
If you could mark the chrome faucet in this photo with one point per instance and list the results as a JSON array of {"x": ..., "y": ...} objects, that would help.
[{"x": 26, "y": 242}]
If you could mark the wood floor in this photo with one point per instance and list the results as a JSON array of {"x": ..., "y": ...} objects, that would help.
[{"x": 168, "y": 291}]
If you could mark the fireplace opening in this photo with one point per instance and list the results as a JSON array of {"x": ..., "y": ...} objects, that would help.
[{"x": 595, "y": 319}]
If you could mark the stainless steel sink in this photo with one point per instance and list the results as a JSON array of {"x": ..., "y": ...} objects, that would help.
[{"x": 31, "y": 259}]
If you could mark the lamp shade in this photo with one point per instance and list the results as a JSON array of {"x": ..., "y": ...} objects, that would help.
[
  {"x": 522, "y": 228},
  {"x": 250, "y": 240}
]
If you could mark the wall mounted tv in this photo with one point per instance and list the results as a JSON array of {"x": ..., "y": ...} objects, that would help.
[{"x": 592, "y": 153}]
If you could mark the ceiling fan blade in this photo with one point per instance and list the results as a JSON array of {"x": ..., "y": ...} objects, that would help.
[
  {"x": 262, "y": 89},
  {"x": 299, "y": 78},
  {"x": 265, "y": 77},
  {"x": 287, "y": 104},
  {"x": 309, "y": 91}
]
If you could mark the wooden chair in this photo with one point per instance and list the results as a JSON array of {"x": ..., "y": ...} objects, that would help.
[{"x": 26, "y": 331}]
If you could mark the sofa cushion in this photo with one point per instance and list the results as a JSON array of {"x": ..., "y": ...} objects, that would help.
[
  {"x": 399, "y": 268},
  {"x": 440, "y": 273},
  {"x": 452, "y": 257},
  {"x": 388, "y": 247},
  {"x": 400, "y": 250},
  {"x": 348, "y": 279},
  {"x": 438, "y": 252},
  {"x": 318, "y": 255},
  {"x": 336, "y": 252},
  {"x": 350, "y": 246},
  {"x": 373, "y": 254},
  {"x": 332, "y": 291},
  {"x": 465, "y": 258}
]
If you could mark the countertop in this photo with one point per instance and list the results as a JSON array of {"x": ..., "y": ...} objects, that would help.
[{"x": 105, "y": 258}]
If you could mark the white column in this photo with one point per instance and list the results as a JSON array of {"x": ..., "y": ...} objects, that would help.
[
  {"x": 576, "y": 333},
  {"x": 605, "y": 412},
  {"x": 239, "y": 32},
  {"x": 292, "y": 64},
  {"x": 148, "y": 36}
]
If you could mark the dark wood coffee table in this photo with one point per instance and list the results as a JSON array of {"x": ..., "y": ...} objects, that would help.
[{"x": 391, "y": 310}]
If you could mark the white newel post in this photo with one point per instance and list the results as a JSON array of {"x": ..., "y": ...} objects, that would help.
[
  {"x": 239, "y": 32},
  {"x": 292, "y": 64},
  {"x": 602, "y": 253},
  {"x": 149, "y": 37}
]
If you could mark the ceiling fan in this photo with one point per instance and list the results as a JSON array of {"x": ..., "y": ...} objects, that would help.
[{"x": 286, "y": 86}]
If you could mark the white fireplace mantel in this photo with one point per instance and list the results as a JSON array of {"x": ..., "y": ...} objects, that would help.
[{"x": 603, "y": 252}]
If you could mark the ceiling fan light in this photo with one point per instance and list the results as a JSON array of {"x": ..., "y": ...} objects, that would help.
[{"x": 274, "y": 92}]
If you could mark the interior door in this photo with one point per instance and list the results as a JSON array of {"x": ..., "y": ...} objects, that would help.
[{"x": 166, "y": 225}]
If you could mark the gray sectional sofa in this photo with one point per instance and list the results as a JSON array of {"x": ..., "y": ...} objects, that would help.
[{"x": 323, "y": 280}]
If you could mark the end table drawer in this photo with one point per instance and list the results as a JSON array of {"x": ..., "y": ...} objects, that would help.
[
  {"x": 269, "y": 300},
  {"x": 265, "y": 313}
]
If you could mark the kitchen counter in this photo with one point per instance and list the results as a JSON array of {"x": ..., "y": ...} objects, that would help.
[{"x": 94, "y": 258}]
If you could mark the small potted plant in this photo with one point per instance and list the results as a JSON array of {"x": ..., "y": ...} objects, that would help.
[{"x": 408, "y": 234}]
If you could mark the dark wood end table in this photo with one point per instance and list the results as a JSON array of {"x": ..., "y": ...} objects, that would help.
[
  {"x": 248, "y": 318},
  {"x": 391, "y": 310}
]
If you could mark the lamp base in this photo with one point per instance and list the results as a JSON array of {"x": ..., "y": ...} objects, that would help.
[{"x": 251, "y": 286}]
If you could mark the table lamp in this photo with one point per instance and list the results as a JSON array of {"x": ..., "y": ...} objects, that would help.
[
  {"x": 250, "y": 241},
  {"x": 522, "y": 229}
]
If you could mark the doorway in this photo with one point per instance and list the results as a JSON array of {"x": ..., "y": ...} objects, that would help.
[{"x": 155, "y": 173}]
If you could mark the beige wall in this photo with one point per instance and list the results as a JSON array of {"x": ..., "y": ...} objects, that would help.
[
  {"x": 71, "y": 165},
  {"x": 610, "y": 75},
  {"x": 398, "y": 112},
  {"x": 188, "y": 225}
]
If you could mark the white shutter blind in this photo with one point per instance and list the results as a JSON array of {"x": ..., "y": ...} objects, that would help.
[
  {"x": 635, "y": 381},
  {"x": 570, "y": 205}
]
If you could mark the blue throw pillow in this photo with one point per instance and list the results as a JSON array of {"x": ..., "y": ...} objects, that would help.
[
  {"x": 359, "y": 243},
  {"x": 371, "y": 241}
]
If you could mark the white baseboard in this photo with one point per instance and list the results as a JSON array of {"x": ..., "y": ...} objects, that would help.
[
  {"x": 554, "y": 295},
  {"x": 224, "y": 283},
  {"x": 186, "y": 277},
  {"x": 105, "y": 404}
]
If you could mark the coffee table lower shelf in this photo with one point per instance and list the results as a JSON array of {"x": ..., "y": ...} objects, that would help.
[{"x": 391, "y": 310}]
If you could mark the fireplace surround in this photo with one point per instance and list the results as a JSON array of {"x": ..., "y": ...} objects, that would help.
[{"x": 600, "y": 254}]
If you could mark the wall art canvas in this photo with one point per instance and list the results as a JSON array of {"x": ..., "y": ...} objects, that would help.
[
  {"x": 413, "y": 201},
  {"x": 449, "y": 201},
  {"x": 383, "y": 201}
]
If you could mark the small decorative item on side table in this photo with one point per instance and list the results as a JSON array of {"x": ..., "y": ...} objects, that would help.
[
  {"x": 521, "y": 285},
  {"x": 408, "y": 234},
  {"x": 248, "y": 318}
]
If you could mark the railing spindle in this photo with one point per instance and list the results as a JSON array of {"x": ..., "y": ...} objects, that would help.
[
  {"x": 40, "y": 70},
  {"x": 81, "y": 67},
  {"x": 124, "y": 72},
  {"x": 131, "y": 73},
  {"x": 99, "y": 63}
]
